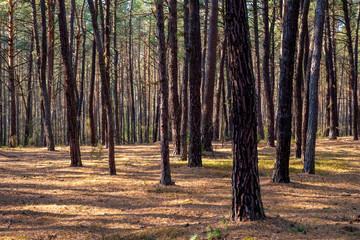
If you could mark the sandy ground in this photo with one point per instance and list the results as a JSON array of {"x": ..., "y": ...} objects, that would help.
[{"x": 41, "y": 197}]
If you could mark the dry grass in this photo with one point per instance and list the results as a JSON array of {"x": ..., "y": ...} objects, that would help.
[{"x": 46, "y": 199}]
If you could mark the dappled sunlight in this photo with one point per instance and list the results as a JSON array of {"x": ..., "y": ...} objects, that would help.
[{"x": 43, "y": 196}]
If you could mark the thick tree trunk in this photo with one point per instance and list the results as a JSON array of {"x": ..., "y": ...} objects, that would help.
[
  {"x": 164, "y": 95},
  {"x": 185, "y": 80},
  {"x": 195, "y": 82},
  {"x": 29, "y": 107},
  {"x": 258, "y": 71},
  {"x": 353, "y": 74},
  {"x": 266, "y": 76},
  {"x": 309, "y": 160},
  {"x": 246, "y": 200},
  {"x": 298, "y": 80},
  {"x": 281, "y": 168},
  {"x": 70, "y": 86},
  {"x": 105, "y": 76},
  {"x": 208, "y": 100}
]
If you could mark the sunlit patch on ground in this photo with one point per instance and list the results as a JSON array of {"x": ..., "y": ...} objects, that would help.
[{"x": 41, "y": 197}]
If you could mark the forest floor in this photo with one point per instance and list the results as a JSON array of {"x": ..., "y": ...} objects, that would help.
[{"x": 41, "y": 197}]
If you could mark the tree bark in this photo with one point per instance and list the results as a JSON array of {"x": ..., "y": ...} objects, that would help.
[
  {"x": 105, "y": 77},
  {"x": 332, "y": 77},
  {"x": 12, "y": 88},
  {"x": 246, "y": 200},
  {"x": 258, "y": 70},
  {"x": 185, "y": 80},
  {"x": 219, "y": 90},
  {"x": 195, "y": 82},
  {"x": 309, "y": 160},
  {"x": 266, "y": 76},
  {"x": 208, "y": 101},
  {"x": 353, "y": 73},
  {"x": 281, "y": 168},
  {"x": 298, "y": 80},
  {"x": 133, "y": 116},
  {"x": 174, "y": 97},
  {"x": 29, "y": 107},
  {"x": 70, "y": 86},
  {"x": 164, "y": 94}
]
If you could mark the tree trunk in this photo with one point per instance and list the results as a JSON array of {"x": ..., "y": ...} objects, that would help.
[
  {"x": 70, "y": 86},
  {"x": 195, "y": 82},
  {"x": 133, "y": 120},
  {"x": 105, "y": 76},
  {"x": 164, "y": 94},
  {"x": 246, "y": 200},
  {"x": 203, "y": 54},
  {"x": 353, "y": 73},
  {"x": 174, "y": 97},
  {"x": 258, "y": 71},
  {"x": 184, "y": 102},
  {"x": 281, "y": 168},
  {"x": 29, "y": 103},
  {"x": 332, "y": 106},
  {"x": 208, "y": 101},
  {"x": 12, "y": 88},
  {"x": 219, "y": 89},
  {"x": 266, "y": 76},
  {"x": 298, "y": 80},
  {"x": 309, "y": 160}
]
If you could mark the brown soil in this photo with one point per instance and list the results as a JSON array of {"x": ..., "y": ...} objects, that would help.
[{"x": 41, "y": 197}]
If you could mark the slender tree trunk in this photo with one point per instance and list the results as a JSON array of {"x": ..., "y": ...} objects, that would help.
[
  {"x": 174, "y": 97},
  {"x": 208, "y": 100},
  {"x": 281, "y": 168},
  {"x": 133, "y": 118},
  {"x": 164, "y": 94},
  {"x": 195, "y": 82},
  {"x": 266, "y": 76},
  {"x": 246, "y": 200},
  {"x": 12, "y": 89},
  {"x": 309, "y": 160},
  {"x": 298, "y": 80},
  {"x": 29, "y": 107},
  {"x": 258, "y": 70},
  {"x": 203, "y": 54},
  {"x": 70, "y": 86},
  {"x": 91, "y": 96},
  {"x": 332, "y": 106},
  {"x": 184, "y": 102},
  {"x": 353, "y": 70},
  {"x": 104, "y": 67},
  {"x": 219, "y": 89}
]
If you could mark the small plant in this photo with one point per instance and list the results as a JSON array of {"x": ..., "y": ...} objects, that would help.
[
  {"x": 96, "y": 152},
  {"x": 195, "y": 237},
  {"x": 213, "y": 234}
]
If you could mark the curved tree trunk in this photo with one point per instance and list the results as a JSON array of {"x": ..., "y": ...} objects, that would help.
[
  {"x": 70, "y": 86},
  {"x": 105, "y": 77}
]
